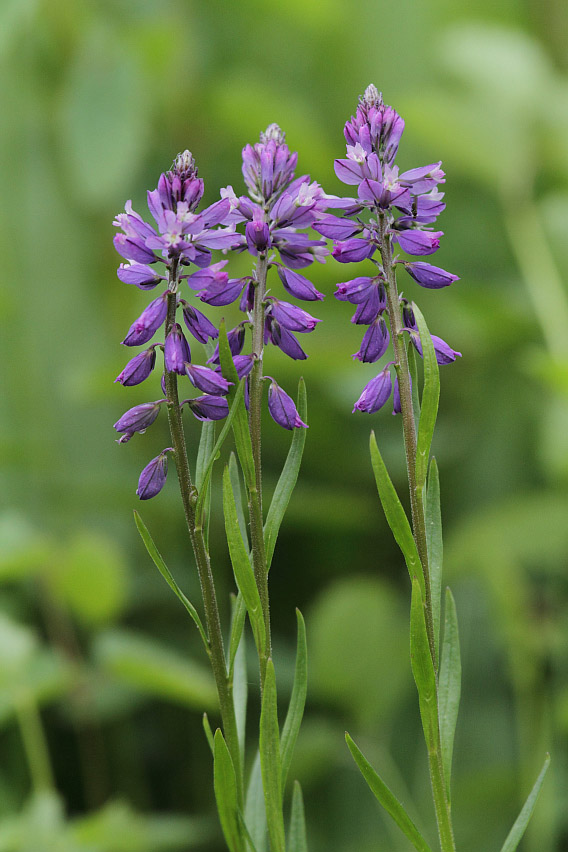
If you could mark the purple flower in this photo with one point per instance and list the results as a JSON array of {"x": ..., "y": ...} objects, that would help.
[
  {"x": 176, "y": 351},
  {"x": 153, "y": 477},
  {"x": 418, "y": 242},
  {"x": 257, "y": 236},
  {"x": 133, "y": 248},
  {"x": 375, "y": 342},
  {"x": 198, "y": 324},
  {"x": 208, "y": 407},
  {"x": 137, "y": 419},
  {"x": 284, "y": 339},
  {"x": 282, "y": 408},
  {"x": 148, "y": 322},
  {"x": 337, "y": 229},
  {"x": 292, "y": 317},
  {"x": 444, "y": 353},
  {"x": 138, "y": 369},
  {"x": 218, "y": 293},
  {"x": 207, "y": 380},
  {"x": 298, "y": 286},
  {"x": 139, "y": 274},
  {"x": 375, "y": 393},
  {"x": 353, "y": 250},
  {"x": 429, "y": 276}
]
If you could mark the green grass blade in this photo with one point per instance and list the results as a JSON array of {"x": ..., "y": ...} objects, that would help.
[
  {"x": 387, "y": 799},
  {"x": 395, "y": 514},
  {"x": 270, "y": 765},
  {"x": 423, "y": 668},
  {"x": 225, "y": 785},
  {"x": 297, "y": 700},
  {"x": 255, "y": 813},
  {"x": 518, "y": 829},
  {"x": 430, "y": 399},
  {"x": 449, "y": 686},
  {"x": 435, "y": 548},
  {"x": 287, "y": 480},
  {"x": 240, "y": 422},
  {"x": 206, "y": 475},
  {"x": 166, "y": 574},
  {"x": 244, "y": 575},
  {"x": 297, "y": 841}
]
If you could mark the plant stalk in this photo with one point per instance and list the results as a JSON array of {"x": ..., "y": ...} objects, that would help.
[{"x": 189, "y": 496}]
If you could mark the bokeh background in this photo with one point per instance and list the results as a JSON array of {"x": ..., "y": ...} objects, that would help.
[{"x": 102, "y": 679}]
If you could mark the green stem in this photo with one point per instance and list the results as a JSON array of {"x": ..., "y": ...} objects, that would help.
[
  {"x": 255, "y": 493},
  {"x": 196, "y": 535},
  {"x": 441, "y": 804},
  {"x": 35, "y": 744}
]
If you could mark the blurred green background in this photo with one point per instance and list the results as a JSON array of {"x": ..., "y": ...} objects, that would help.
[{"x": 102, "y": 679}]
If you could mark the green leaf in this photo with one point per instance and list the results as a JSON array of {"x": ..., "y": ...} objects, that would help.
[
  {"x": 435, "y": 547},
  {"x": 155, "y": 669},
  {"x": 166, "y": 574},
  {"x": 270, "y": 765},
  {"x": 206, "y": 476},
  {"x": 237, "y": 626},
  {"x": 225, "y": 784},
  {"x": 423, "y": 668},
  {"x": 413, "y": 368},
  {"x": 240, "y": 423},
  {"x": 449, "y": 686},
  {"x": 246, "y": 832},
  {"x": 244, "y": 575},
  {"x": 287, "y": 480},
  {"x": 297, "y": 841},
  {"x": 240, "y": 682},
  {"x": 430, "y": 398},
  {"x": 255, "y": 813},
  {"x": 518, "y": 829},
  {"x": 387, "y": 799},
  {"x": 297, "y": 700},
  {"x": 236, "y": 483},
  {"x": 208, "y": 733},
  {"x": 395, "y": 514},
  {"x": 206, "y": 444}
]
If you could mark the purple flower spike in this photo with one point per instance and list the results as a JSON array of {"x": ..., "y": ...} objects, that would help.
[
  {"x": 148, "y": 322},
  {"x": 430, "y": 276},
  {"x": 298, "y": 286},
  {"x": 207, "y": 380},
  {"x": 282, "y": 408},
  {"x": 375, "y": 393},
  {"x": 176, "y": 351},
  {"x": 208, "y": 407},
  {"x": 138, "y": 369},
  {"x": 153, "y": 477},
  {"x": 375, "y": 342},
  {"x": 139, "y": 274},
  {"x": 137, "y": 419}
]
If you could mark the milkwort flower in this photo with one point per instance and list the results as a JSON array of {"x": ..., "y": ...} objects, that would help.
[
  {"x": 160, "y": 254},
  {"x": 391, "y": 208},
  {"x": 276, "y": 213}
]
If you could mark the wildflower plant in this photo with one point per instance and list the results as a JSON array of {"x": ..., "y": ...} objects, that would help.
[{"x": 392, "y": 212}]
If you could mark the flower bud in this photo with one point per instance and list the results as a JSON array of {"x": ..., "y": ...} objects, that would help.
[
  {"x": 138, "y": 369},
  {"x": 148, "y": 322},
  {"x": 153, "y": 477},
  {"x": 137, "y": 419},
  {"x": 282, "y": 408},
  {"x": 176, "y": 351},
  {"x": 375, "y": 393}
]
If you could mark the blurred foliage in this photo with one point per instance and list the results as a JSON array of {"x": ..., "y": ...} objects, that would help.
[{"x": 102, "y": 680}]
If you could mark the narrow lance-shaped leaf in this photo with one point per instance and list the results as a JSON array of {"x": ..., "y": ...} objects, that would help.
[
  {"x": 240, "y": 422},
  {"x": 236, "y": 483},
  {"x": 206, "y": 444},
  {"x": 240, "y": 682},
  {"x": 387, "y": 799},
  {"x": 244, "y": 575},
  {"x": 430, "y": 399},
  {"x": 287, "y": 480},
  {"x": 269, "y": 744},
  {"x": 297, "y": 840},
  {"x": 165, "y": 572},
  {"x": 423, "y": 668},
  {"x": 206, "y": 475},
  {"x": 208, "y": 733},
  {"x": 519, "y": 827},
  {"x": 395, "y": 514},
  {"x": 449, "y": 686},
  {"x": 413, "y": 368},
  {"x": 225, "y": 785},
  {"x": 297, "y": 700},
  {"x": 435, "y": 548},
  {"x": 237, "y": 627},
  {"x": 246, "y": 832},
  {"x": 255, "y": 813}
]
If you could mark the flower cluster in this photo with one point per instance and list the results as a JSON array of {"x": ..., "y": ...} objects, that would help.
[
  {"x": 275, "y": 212},
  {"x": 391, "y": 208},
  {"x": 182, "y": 237}
]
